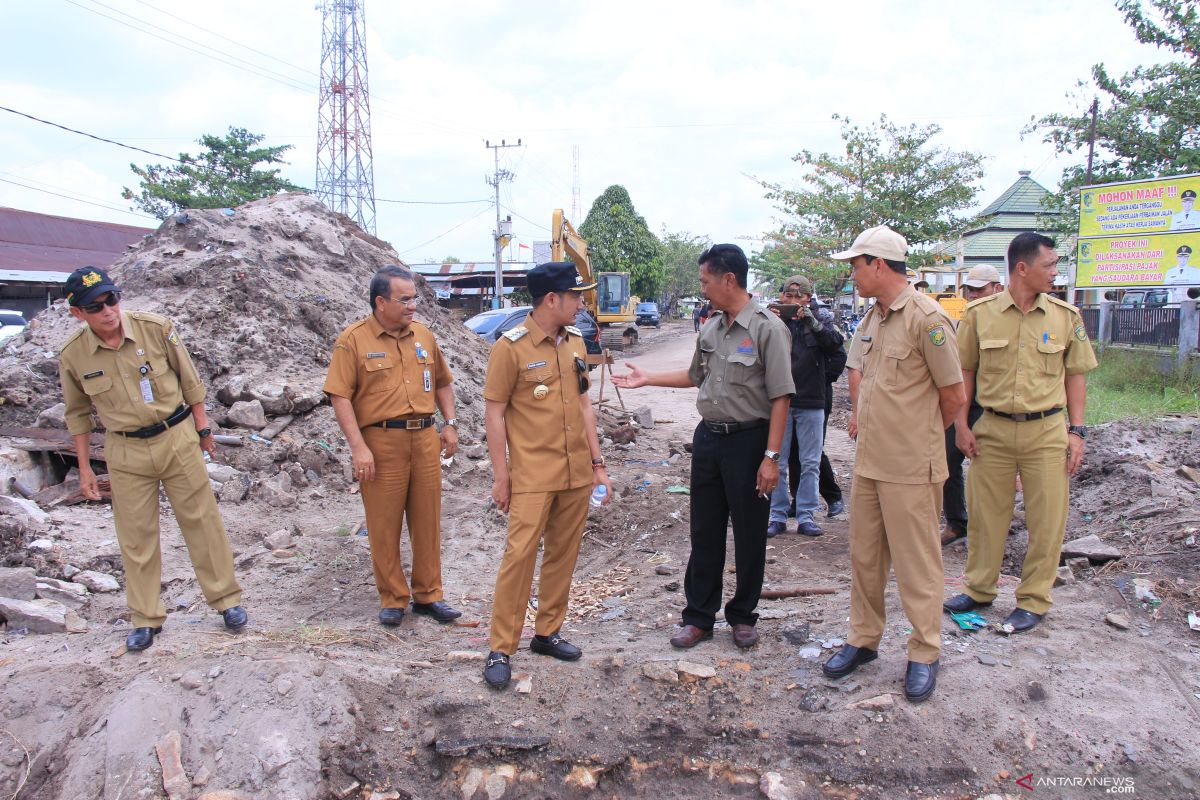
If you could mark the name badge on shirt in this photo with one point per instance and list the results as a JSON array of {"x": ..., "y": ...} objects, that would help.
[
  {"x": 95, "y": 374},
  {"x": 376, "y": 355},
  {"x": 535, "y": 364},
  {"x": 147, "y": 390},
  {"x": 428, "y": 382}
]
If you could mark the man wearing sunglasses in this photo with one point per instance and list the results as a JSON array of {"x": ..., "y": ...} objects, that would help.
[
  {"x": 386, "y": 374},
  {"x": 537, "y": 403},
  {"x": 132, "y": 367}
]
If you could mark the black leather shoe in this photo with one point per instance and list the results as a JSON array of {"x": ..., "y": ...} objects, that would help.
[
  {"x": 391, "y": 616},
  {"x": 555, "y": 645},
  {"x": 963, "y": 602},
  {"x": 1022, "y": 620},
  {"x": 920, "y": 680},
  {"x": 497, "y": 671},
  {"x": 848, "y": 659},
  {"x": 235, "y": 618},
  {"x": 438, "y": 609},
  {"x": 141, "y": 638}
]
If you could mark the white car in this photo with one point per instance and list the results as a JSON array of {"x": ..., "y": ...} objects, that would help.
[{"x": 11, "y": 323}]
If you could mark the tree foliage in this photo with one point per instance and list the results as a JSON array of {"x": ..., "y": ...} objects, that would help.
[
  {"x": 888, "y": 174},
  {"x": 680, "y": 253},
  {"x": 620, "y": 241},
  {"x": 225, "y": 174},
  {"x": 1148, "y": 120}
]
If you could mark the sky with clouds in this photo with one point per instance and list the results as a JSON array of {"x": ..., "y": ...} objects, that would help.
[{"x": 683, "y": 103}]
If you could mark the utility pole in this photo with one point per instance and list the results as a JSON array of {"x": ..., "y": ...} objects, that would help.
[
  {"x": 1092, "y": 140},
  {"x": 503, "y": 229}
]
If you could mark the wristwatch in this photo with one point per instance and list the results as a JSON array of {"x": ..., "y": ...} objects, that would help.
[
  {"x": 598, "y": 462},
  {"x": 452, "y": 422},
  {"x": 1078, "y": 430},
  {"x": 204, "y": 433},
  {"x": 771, "y": 454}
]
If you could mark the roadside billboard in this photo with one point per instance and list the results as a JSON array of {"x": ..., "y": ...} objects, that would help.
[
  {"x": 1161, "y": 205},
  {"x": 1170, "y": 259}
]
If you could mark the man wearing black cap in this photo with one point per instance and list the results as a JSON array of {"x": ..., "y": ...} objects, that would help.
[
  {"x": 1187, "y": 218},
  {"x": 537, "y": 403},
  {"x": 132, "y": 367}
]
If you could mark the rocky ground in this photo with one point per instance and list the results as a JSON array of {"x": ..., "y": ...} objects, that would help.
[{"x": 316, "y": 700}]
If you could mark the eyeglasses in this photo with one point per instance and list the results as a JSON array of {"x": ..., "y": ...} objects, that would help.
[
  {"x": 95, "y": 308},
  {"x": 411, "y": 302}
]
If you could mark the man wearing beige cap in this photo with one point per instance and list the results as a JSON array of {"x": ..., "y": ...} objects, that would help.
[
  {"x": 982, "y": 281},
  {"x": 905, "y": 388}
]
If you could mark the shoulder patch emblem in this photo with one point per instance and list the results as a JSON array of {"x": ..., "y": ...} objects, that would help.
[
  {"x": 1080, "y": 332},
  {"x": 173, "y": 339},
  {"x": 516, "y": 333},
  {"x": 937, "y": 334}
]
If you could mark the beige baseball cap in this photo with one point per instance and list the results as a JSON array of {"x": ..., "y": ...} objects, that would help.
[
  {"x": 880, "y": 241},
  {"x": 981, "y": 275}
]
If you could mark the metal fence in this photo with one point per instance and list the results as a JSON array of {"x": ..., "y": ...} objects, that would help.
[
  {"x": 1154, "y": 325},
  {"x": 1091, "y": 320}
]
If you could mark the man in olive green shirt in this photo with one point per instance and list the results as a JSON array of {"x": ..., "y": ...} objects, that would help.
[{"x": 742, "y": 365}]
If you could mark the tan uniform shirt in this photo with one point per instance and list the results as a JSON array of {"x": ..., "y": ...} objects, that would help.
[
  {"x": 741, "y": 365},
  {"x": 386, "y": 375},
  {"x": 536, "y": 375},
  {"x": 1020, "y": 360},
  {"x": 905, "y": 356},
  {"x": 140, "y": 383}
]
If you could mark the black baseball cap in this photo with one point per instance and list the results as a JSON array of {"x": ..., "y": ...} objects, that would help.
[
  {"x": 86, "y": 284},
  {"x": 555, "y": 276},
  {"x": 1188, "y": 194}
]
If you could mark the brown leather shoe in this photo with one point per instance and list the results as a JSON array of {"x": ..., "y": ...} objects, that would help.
[
  {"x": 951, "y": 535},
  {"x": 690, "y": 636},
  {"x": 745, "y": 636}
]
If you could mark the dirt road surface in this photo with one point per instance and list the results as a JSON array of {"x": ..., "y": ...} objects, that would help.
[{"x": 317, "y": 700}]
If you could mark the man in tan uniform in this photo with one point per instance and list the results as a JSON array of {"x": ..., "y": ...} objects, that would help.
[
  {"x": 1026, "y": 355},
  {"x": 905, "y": 388},
  {"x": 742, "y": 365},
  {"x": 537, "y": 402},
  {"x": 385, "y": 376},
  {"x": 134, "y": 370}
]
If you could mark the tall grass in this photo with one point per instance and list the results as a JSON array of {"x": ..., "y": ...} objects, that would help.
[{"x": 1128, "y": 383}]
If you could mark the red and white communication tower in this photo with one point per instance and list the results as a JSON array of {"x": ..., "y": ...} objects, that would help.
[{"x": 345, "y": 174}]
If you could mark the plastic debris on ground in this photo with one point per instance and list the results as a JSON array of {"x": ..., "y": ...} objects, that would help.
[
  {"x": 970, "y": 620},
  {"x": 1194, "y": 620},
  {"x": 678, "y": 489}
]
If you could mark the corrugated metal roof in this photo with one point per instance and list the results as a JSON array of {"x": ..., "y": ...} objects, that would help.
[{"x": 45, "y": 243}]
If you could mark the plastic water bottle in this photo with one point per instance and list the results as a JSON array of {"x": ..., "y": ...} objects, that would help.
[{"x": 599, "y": 494}]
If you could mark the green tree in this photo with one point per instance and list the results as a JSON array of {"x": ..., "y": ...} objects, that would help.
[
  {"x": 226, "y": 174},
  {"x": 889, "y": 175},
  {"x": 680, "y": 251},
  {"x": 620, "y": 241},
  {"x": 1148, "y": 120}
]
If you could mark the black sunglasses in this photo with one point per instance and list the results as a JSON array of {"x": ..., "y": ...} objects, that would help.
[
  {"x": 95, "y": 308},
  {"x": 582, "y": 373}
]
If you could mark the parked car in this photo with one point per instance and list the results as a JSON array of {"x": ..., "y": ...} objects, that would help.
[
  {"x": 647, "y": 314},
  {"x": 11, "y": 323},
  {"x": 491, "y": 325}
]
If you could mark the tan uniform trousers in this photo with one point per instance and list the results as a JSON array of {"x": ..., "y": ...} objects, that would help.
[
  {"x": 1037, "y": 449},
  {"x": 896, "y": 524},
  {"x": 136, "y": 467},
  {"x": 559, "y": 518},
  {"x": 407, "y": 485}
]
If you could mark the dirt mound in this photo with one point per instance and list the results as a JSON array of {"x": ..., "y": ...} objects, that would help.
[{"x": 258, "y": 294}]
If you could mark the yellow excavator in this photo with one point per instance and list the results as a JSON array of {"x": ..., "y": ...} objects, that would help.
[{"x": 611, "y": 302}]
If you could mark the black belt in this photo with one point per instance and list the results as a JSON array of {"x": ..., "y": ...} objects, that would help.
[
  {"x": 734, "y": 427},
  {"x": 1026, "y": 416},
  {"x": 414, "y": 424},
  {"x": 181, "y": 413}
]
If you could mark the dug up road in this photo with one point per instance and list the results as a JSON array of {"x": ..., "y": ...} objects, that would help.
[{"x": 316, "y": 700}]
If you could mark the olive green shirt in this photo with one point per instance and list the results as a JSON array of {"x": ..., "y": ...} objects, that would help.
[
  {"x": 1021, "y": 360},
  {"x": 94, "y": 374},
  {"x": 741, "y": 365}
]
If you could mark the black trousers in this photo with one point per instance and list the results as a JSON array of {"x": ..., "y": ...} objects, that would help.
[
  {"x": 724, "y": 488},
  {"x": 954, "y": 497}
]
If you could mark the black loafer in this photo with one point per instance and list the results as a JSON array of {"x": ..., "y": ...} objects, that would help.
[
  {"x": 555, "y": 645},
  {"x": 848, "y": 659},
  {"x": 235, "y": 618},
  {"x": 438, "y": 609},
  {"x": 497, "y": 671},
  {"x": 1022, "y": 620},
  {"x": 141, "y": 638},
  {"x": 920, "y": 680},
  {"x": 391, "y": 616},
  {"x": 963, "y": 602}
]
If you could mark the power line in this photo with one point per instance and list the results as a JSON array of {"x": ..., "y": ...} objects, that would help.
[
  {"x": 531, "y": 222},
  {"x": 76, "y": 199},
  {"x": 446, "y": 233}
]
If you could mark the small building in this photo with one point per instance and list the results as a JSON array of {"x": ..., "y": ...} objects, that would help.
[{"x": 39, "y": 251}]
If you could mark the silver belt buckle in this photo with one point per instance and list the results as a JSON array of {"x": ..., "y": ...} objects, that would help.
[{"x": 414, "y": 424}]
